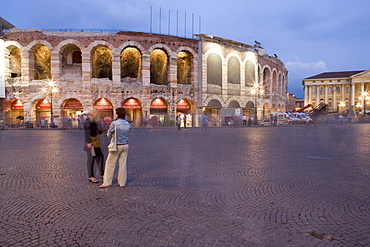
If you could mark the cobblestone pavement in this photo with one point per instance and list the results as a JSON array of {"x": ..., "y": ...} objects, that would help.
[{"x": 253, "y": 186}]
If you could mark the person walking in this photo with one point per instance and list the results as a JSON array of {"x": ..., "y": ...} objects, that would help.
[
  {"x": 185, "y": 121},
  {"x": 204, "y": 122},
  {"x": 92, "y": 147},
  {"x": 120, "y": 129}
]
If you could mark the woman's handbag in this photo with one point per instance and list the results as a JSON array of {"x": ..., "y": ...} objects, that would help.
[{"x": 112, "y": 147}]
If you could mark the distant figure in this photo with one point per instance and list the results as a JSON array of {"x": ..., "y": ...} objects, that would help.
[
  {"x": 244, "y": 120},
  {"x": 204, "y": 122},
  {"x": 184, "y": 118},
  {"x": 178, "y": 122}
]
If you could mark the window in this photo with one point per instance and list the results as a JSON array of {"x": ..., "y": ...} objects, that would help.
[
  {"x": 321, "y": 90},
  {"x": 347, "y": 89},
  {"x": 338, "y": 89},
  {"x": 330, "y": 90},
  {"x": 313, "y": 90}
]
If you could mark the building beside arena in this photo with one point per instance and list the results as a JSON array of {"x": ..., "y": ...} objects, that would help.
[
  {"x": 346, "y": 92},
  {"x": 53, "y": 76}
]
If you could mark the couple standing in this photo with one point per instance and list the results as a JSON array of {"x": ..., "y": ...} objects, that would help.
[{"x": 94, "y": 153}]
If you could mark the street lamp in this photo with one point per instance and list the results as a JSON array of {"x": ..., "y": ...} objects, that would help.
[
  {"x": 340, "y": 107},
  {"x": 51, "y": 89},
  {"x": 256, "y": 90},
  {"x": 364, "y": 97}
]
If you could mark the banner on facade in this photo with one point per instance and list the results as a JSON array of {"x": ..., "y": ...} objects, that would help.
[
  {"x": 103, "y": 104},
  {"x": 17, "y": 105},
  {"x": 73, "y": 104},
  {"x": 43, "y": 105},
  {"x": 2, "y": 69},
  {"x": 183, "y": 104},
  {"x": 158, "y": 104},
  {"x": 131, "y": 104}
]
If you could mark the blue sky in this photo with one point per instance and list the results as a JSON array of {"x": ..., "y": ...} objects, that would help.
[{"x": 310, "y": 37}]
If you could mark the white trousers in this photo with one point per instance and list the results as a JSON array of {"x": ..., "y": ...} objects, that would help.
[{"x": 110, "y": 165}]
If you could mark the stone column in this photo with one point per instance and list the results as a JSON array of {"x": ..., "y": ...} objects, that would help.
[
  {"x": 326, "y": 94},
  {"x": 172, "y": 70},
  {"x": 317, "y": 95},
  {"x": 335, "y": 105},
  {"x": 26, "y": 65},
  {"x": 56, "y": 65},
  {"x": 116, "y": 68},
  {"x": 224, "y": 78},
  {"x": 86, "y": 67},
  {"x": 145, "y": 69}
]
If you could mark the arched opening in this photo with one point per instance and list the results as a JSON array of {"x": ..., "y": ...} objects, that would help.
[
  {"x": 233, "y": 76},
  {"x": 41, "y": 67},
  {"x": 158, "y": 67},
  {"x": 71, "y": 63},
  {"x": 101, "y": 62},
  {"x": 14, "y": 64},
  {"x": 104, "y": 108},
  {"x": 43, "y": 114},
  {"x": 71, "y": 113},
  {"x": 250, "y": 74},
  {"x": 130, "y": 63},
  {"x": 184, "y": 65},
  {"x": 14, "y": 113},
  {"x": 266, "y": 80},
  {"x": 213, "y": 110},
  {"x": 134, "y": 111},
  {"x": 183, "y": 109},
  {"x": 214, "y": 74},
  {"x": 159, "y": 113}
]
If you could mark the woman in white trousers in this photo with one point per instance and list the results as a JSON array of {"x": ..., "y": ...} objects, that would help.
[{"x": 119, "y": 131}]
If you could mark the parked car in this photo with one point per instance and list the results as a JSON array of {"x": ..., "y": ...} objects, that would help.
[{"x": 266, "y": 122}]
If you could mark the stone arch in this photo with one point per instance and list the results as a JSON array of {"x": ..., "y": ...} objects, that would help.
[
  {"x": 159, "y": 62},
  {"x": 214, "y": 73},
  {"x": 213, "y": 97},
  {"x": 233, "y": 104},
  {"x": 266, "y": 110},
  {"x": 184, "y": 67},
  {"x": 274, "y": 81},
  {"x": 249, "y": 105},
  {"x": 70, "y": 59},
  {"x": 131, "y": 62},
  {"x": 40, "y": 60},
  {"x": 101, "y": 61},
  {"x": 13, "y": 60},
  {"x": 233, "y": 70},
  {"x": 250, "y": 73},
  {"x": 266, "y": 79}
]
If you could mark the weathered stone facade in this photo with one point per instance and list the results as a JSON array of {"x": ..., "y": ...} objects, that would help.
[
  {"x": 97, "y": 73},
  {"x": 155, "y": 77},
  {"x": 231, "y": 71}
]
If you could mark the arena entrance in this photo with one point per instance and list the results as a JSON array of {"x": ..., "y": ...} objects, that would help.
[
  {"x": 134, "y": 111},
  {"x": 159, "y": 113}
]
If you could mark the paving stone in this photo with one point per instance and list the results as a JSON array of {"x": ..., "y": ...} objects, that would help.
[{"x": 252, "y": 186}]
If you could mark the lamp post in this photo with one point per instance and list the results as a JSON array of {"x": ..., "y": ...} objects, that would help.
[
  {"x": 51, "y": 89},
  {"x": 340, "y": 107},
  {"x": 256, "y": 90},
  {"x": 365, "y": 97}
]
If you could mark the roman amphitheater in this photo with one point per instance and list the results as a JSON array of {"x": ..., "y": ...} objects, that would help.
[{"x": 53, "y": 76}]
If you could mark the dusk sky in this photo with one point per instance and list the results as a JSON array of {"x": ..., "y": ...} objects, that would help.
[{"x": 310, "y": 37}]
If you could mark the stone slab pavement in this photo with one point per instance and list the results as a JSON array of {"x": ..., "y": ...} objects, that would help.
[{"x": 252, "y": 186}]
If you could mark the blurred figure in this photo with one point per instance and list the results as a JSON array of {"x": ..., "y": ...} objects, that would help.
[
  {"x": 204, "y": 122},
  {"x": 92, "y": 146}
]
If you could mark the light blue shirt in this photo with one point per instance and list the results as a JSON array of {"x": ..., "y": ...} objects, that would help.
[{"x": 122, "y": 127}]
